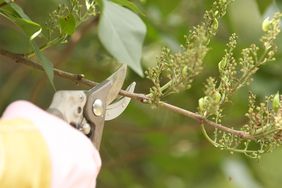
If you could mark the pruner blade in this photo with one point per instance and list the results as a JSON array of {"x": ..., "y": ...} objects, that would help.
[
  {"x": 117, "y": 80},
  {"x": 98, "y": 98},
  {"x": 115, "y": 109}
]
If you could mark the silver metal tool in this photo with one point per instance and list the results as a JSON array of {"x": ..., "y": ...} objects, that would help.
[{"x": 87, "y": 110}]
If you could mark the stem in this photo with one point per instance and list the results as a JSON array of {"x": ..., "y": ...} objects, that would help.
[
  {"x": 245, "y": 77},
  {"x": 74, "y": 39},
  {"x": 79, "y": 78},
  {"x": 164, "y": 87},
  {"x": 215, "y": 144},
  {"x": 47, "y": 45},
  {"x": 262, "y": 130}
]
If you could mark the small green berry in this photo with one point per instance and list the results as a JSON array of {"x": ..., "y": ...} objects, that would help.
[
  {"x": 276, "y": 102},
  {"x": 265, "y": 24},
  {"x": 222, "y": 64},
  {"x": 217, "y": 97},
  {"x": 202, "y": 104}
]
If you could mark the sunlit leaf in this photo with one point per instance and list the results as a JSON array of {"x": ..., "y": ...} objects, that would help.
[
  {"x": 122, "y": 33},
  {"x": 67, "y": 24}
]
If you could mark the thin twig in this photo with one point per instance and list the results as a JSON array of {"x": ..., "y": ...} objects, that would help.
[{"x": 136, "y": 96}]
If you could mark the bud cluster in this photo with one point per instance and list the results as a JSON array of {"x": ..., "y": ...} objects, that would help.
[{"x": 175, "y": 72}]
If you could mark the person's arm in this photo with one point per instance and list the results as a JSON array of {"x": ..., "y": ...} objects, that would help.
[{"x": 39, "y": 150}]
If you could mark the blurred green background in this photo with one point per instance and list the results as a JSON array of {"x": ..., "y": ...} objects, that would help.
[{"x": 148, "y": 147}]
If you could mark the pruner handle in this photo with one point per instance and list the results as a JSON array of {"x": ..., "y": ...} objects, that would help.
[{"x": 56, "y": 112}]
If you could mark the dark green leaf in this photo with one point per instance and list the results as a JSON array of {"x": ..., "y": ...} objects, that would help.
[
  {"x": 30, "y": 28},
  {"x": 19, "y": 10},
  {"x": 129, "y": 5},
  {"x": 167, "y": 7},
  {"x": 46, "y": 63},
  {"x": 99, "y": 3},
  {"x": 279, "y": 5},
  {"x": 122, "y": 33},
  {"x": 263, "y": 5},
  {"x": 16, "y": 15},
  {"x": 67, "y": 24}
]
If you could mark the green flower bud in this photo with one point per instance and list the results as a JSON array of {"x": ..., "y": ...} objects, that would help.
[
  {"x": 222, "y": 64},
  {"x": 265, "y": 24},
  {"x": 217, "y": 97},
  {"x": 276, "y": 102},
  {"x": 215, "y": 24},
  {"x": 185, "y": 70},
  {"x": 202, "y": 104}
]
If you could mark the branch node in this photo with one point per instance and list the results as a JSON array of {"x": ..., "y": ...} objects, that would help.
[{"x": 80, "y": 76}]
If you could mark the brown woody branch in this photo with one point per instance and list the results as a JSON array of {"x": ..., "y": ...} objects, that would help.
[{"x": 18, "y": 58}]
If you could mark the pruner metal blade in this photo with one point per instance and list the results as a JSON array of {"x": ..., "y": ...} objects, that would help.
[
  {"x": 115, "y": 109},
  {"x": 98, "y": 98},
  {"x": 117, "y": 80}
]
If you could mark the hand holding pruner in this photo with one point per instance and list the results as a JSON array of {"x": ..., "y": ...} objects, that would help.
[{"x": 87, "y": 110}]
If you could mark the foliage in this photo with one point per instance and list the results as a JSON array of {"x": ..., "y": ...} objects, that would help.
[
  {"x": 14, "y": 13},
  {"x": 127, "y": 34}
]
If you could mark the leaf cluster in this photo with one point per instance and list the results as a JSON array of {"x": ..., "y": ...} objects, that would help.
[{"x": 64, "y": 20}]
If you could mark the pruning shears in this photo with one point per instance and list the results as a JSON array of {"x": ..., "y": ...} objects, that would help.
[{"x": 87, "y": 110}]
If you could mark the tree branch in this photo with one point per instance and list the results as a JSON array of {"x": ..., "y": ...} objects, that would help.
[{"x": 18, "y": 58}]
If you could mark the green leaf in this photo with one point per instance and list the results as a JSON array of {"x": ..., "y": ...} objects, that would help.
[
  {"x": 129, "y": 5},
  {"x": 15, "y": 14},
  {"x": 67, "y": 24},
  {"x": 46, "y": 63},
  {"x": 167, "y": 7},
  {"x": 263, "y": 5},
  {"x": 279, "y": 5},
  {"x": 30, "y": 28},
  {"x": 122, "y": 33},
  {"x": 19, "y": 10}
]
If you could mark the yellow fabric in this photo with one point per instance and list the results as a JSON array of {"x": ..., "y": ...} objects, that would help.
[{"x": 24, "y": 159}]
